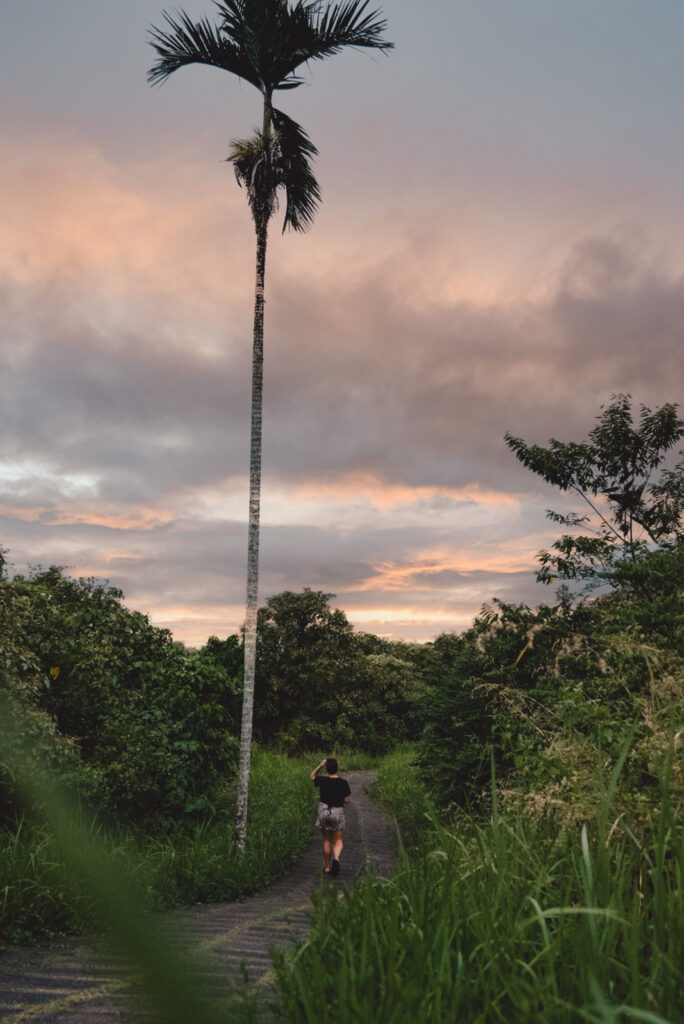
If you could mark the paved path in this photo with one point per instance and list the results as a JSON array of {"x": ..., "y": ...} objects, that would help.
[{"x": 69, "y": 982}]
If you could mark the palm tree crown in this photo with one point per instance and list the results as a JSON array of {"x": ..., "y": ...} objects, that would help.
[{"x": 264, "y": 42}]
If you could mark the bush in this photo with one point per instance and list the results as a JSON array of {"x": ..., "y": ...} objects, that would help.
[
  {"x": 550, "y": 696},
  {"x": 145, "y": 722}
]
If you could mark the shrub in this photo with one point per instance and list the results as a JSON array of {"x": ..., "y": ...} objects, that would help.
[
  {"x": 145, "y": 722},
  {"x": 551, "y": 695}
]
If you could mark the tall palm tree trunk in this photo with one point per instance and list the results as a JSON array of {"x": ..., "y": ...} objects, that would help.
[
  {"x": 263, "y": 44},
  {"x": 252, "y": 540}
]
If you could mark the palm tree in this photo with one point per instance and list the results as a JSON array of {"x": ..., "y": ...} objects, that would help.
[{"x": 265, "y": 42}]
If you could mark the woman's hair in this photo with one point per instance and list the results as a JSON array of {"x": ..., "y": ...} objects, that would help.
[{"x": 331, "y": 765}]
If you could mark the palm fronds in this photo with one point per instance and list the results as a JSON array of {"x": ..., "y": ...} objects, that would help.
[
  {"x": 349, "y": 24},
  {"x": 264, "y": 41},
  {"x": 263, "y": 29},
  {"x": 314, "y": 31},
  {"x": 255, "y": 168},
  {"x": 301, "y": 188},
  {"x": 190, "y": 42},
  {"x": 278, "y": 159}
]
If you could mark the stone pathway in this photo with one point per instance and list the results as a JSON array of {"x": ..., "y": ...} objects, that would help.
[{"x": 70, "y": 982}]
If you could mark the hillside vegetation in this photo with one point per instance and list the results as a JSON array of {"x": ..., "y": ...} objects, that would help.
[{"x": 534, "y": 763}]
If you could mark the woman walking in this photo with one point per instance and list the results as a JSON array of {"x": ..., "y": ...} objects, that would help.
[{"x": 333, "y": 794}]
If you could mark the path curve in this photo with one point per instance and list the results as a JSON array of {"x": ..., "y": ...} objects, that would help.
[{"x": 68, "y": 982}]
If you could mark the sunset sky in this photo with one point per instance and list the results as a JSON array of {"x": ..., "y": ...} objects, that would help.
[{"x": 500, "y": 248}]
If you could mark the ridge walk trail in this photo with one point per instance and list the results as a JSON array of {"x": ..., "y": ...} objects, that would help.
[{"x": 70, "y": 982}]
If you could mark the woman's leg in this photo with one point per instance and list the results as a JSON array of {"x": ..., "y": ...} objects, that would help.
[
  {"x": 338, "y": 843},
  {"x": 327, "y": 847}
]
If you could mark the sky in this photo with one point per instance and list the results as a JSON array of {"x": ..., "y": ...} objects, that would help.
[{"x": 500, "y": 248}]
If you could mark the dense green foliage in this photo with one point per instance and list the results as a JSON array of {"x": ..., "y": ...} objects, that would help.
[
  {"x": 322, "y": 686},
  {"x": 143, "y": 729},
  {"x": 399, "y": 788},
  {"x": 141, "y": 724},
  {"x": 549, "y": 696},
  {"x": 505, "y": 920},
  {"x": 140, "y": 731},
  {"x": 628, "y": 511},
  {"x": 552, "y": 694}
]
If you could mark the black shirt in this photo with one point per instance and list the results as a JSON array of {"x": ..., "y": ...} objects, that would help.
[{"x": 332, "y": 791}]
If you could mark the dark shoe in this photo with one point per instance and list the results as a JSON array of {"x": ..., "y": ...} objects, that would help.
[{"x": 335, "y": 867}]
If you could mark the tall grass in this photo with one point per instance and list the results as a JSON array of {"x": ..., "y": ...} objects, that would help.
[
  {"x": 503, "y": 922},
  {"x": 497, "y": 921},
  {"x": 205, "y": 865},
  {"x": 38, "y": 897},
  {"x": 399, "y": 791}
]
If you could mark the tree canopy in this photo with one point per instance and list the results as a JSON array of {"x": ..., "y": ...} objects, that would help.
[
  {"x": 140, "y": 723},
  {"x": 321, "y": 685},
  {"x": 629, "y": 508}
]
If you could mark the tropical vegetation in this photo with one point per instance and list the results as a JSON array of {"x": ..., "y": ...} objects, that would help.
[
  {"x": 503, "y": 918},
  {"x": 626, "y": 511},
  {"x": 534, "y": 764},
  {"x": 542, "y": 810}
]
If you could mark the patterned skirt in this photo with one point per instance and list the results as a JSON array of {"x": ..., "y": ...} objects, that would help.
[{"x": 330, "y": 819}]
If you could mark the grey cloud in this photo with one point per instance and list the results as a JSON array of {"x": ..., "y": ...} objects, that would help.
[
  {"x": 357, "y": 383},
  {"x": 136, "y": 411},
  {"x": 425, "y": 397},
  {"x": 204, "y": 563}
]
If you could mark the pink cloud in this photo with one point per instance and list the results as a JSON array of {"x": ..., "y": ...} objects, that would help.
[{"x": 399, "y": 350}]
